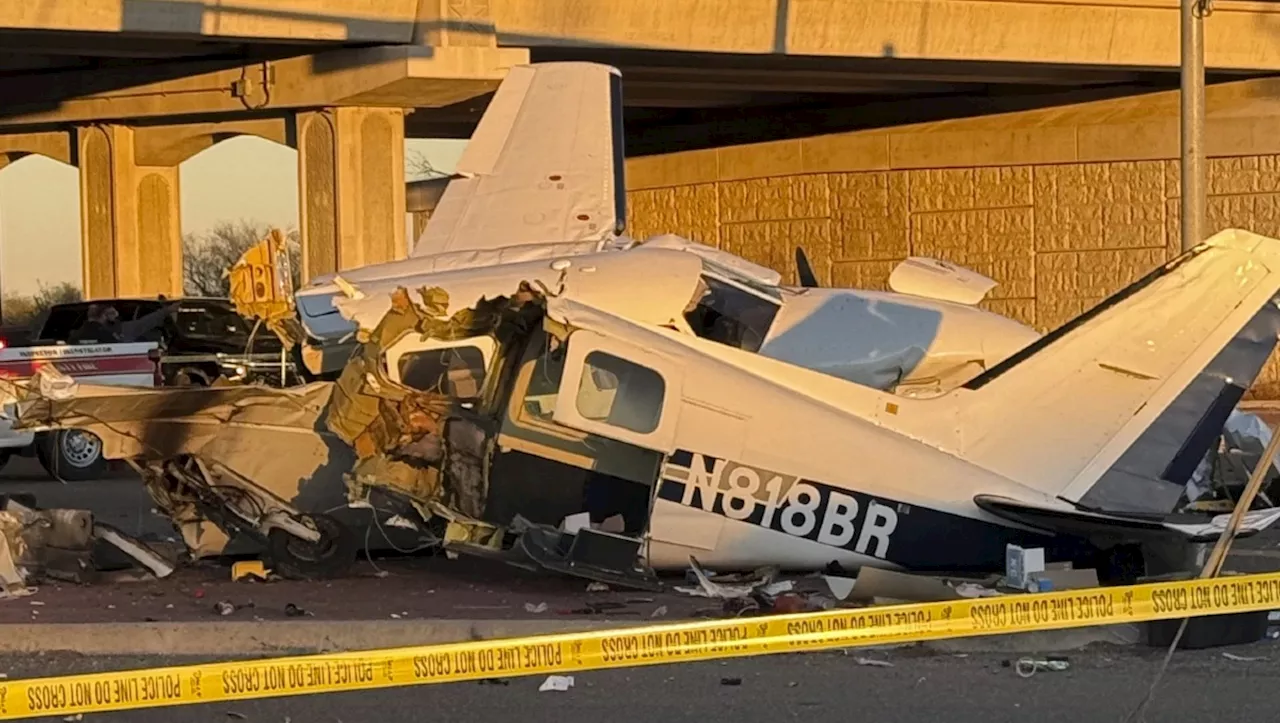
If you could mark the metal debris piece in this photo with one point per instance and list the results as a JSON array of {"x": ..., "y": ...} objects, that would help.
[
  {"x": 556, "y": 683},
  {"x": 875, "y": 663},
  {"x": 1027, "y": 667}
]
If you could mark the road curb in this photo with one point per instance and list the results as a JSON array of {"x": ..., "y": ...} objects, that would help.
[{"x": 313, "y": 636}]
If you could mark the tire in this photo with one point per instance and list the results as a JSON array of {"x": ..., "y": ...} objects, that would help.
[
  {"x": 332, "y": 555},
  {"x": 189, "y": 377},
  {"x": 72, "y": 455}
]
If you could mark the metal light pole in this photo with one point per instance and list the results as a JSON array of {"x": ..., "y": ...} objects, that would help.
[{"x": 1192, "y": 121}]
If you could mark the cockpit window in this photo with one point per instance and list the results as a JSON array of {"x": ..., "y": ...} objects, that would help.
[{"x": 727, "y": 314}]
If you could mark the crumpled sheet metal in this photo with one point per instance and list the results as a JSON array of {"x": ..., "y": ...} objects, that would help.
[
  {"x": 274, "y": 437},
  {"x": 395, "y": 430},
  {"x": 32, "y": 537},
  {"x": 147, "y": 423}
]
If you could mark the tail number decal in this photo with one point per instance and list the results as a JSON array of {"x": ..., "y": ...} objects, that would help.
[{"x": 785, "y": 503}]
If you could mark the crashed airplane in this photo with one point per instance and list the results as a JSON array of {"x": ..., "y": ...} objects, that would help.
[{"x": 533, "y": 386}]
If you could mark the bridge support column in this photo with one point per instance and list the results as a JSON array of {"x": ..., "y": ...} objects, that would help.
[
  {"x": 131, "y": 226},
  {"x": 351, "y": 188}
]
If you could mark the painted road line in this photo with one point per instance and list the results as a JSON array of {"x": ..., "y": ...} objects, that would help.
[{"x": 629, "y": 647}]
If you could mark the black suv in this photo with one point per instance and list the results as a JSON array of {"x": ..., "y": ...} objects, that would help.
[{"x": 200, "y": 339}]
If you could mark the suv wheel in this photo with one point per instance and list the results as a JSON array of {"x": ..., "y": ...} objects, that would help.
[{"x": 72, "y": 455}]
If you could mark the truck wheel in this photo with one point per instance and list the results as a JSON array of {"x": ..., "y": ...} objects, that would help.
[
  {"x": 329, "y": 556},
  {"x": 72, "y": 455},
  {"x": 187, "y": 377}
]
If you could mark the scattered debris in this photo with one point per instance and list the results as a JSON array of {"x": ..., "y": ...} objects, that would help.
[
  {"x": 1244, "y": 658},
  {"x": 659, "y": 612},
  {"x": 731, "y": 681},
  {"x": 597, "y": 587},
  {"x": 874, "y": 662},
  {"x": 249, "y": 570},
  {"x": 556, "y": 683},
  {"x": 224, "y": 608},
  {"x": 235, "y": 715},
  {"x": 539, "y": 608},
  {"x": 1027, "y": 667},
  {"x": 293, "y": 611}
]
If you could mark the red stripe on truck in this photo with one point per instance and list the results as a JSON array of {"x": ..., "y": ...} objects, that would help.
[{"x": 90, "y": 366}]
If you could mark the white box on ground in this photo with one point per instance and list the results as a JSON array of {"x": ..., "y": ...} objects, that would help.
[
  {"x": 1021, "y": 564},
  {"x": 576, "y": 522}
]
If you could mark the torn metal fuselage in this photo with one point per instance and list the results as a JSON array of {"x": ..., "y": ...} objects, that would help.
[
  {"x": 452, "y": 415},
  {"x": 221, "y": 462}
]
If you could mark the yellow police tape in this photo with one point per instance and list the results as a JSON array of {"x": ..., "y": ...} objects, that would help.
[{"x": 649, "y": 645}]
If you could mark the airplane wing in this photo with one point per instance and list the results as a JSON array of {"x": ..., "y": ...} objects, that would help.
[
  {"x": 1112, "y": 412},
  {"x": 545, "y": 165}
]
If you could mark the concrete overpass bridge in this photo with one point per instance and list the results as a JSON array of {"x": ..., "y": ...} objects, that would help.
[{"x": 128, "y": 89}]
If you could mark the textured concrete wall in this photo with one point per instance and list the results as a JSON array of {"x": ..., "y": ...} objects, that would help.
[{"x": 1058, "y": 237}]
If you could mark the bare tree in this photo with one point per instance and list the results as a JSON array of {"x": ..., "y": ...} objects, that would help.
[
  {"x": 19, "y": 309},
  {"x": 419, "y": 168},
  {"x": 206, "y": 257}
]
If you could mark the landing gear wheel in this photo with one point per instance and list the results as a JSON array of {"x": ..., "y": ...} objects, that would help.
[
  {"x": 329, "y": 556},
  {"x": 72, "y": 454}
]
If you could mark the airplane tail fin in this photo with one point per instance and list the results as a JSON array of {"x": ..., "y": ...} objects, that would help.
[
  {"x": 545, "y": 165},
  {"x": 1113, "y": 411}
]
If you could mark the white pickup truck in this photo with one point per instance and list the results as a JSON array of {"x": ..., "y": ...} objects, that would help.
[{"x": 72, "y": 454}]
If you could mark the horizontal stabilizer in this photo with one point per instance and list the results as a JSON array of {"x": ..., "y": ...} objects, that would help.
[
  {"x": 1113, "y": 411},
  {"x": 1095, "y": 525}
]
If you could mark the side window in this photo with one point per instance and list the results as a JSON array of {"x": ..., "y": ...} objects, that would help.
[
  {"x": 726, "y": 314},
  {"x": 544, "y": 382},
  {"x": 621, "y": 393},
  {"x": 456, "y": 371}
]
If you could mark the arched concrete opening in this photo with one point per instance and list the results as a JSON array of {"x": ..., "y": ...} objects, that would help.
[
  {"x": 234, "y": 190},
  {"x": 429, "y": 162},
  {"x": 40, "y": 260}
]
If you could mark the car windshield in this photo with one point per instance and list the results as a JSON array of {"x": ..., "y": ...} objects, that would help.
[{"x": 210, "y": 319}]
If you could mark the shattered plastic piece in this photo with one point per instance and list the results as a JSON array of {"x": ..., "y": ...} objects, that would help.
[
  {"x": 224, "y": 608},
  {"x": 1027, "y": 667},
  {"x": 402, "y": 522},
  {"x": 539, "y": 608},
  {"x": 660, "y": 611},
  {"x": 54, "y": 383},
  {"x": 710, "y": 589},
  {"x": 597, "y": 587},
  {"x": 556, "y": 683},
  {"x": 971, "y": 590},
  {"x": 249, "y": 569}
]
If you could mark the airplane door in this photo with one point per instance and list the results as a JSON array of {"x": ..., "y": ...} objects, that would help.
[
  {"x": 619, "y": 391},
  {"x": 616, "y": 390}
]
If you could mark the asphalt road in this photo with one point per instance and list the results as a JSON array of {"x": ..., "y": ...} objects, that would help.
[
  {"x": 1101, "y": 685},
  {"x": 119, "y": 500}
]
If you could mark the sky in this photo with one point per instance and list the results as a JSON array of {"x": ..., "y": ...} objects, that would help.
[{"x": 242, "y": 178}]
